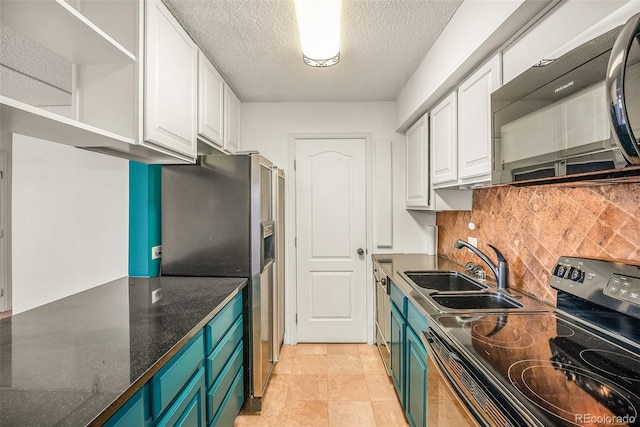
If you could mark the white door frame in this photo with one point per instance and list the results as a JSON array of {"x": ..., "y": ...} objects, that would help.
[{"x": 291, "y": 329}]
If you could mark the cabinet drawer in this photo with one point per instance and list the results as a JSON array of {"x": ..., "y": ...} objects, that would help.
[
  {"x": 188, "y": 409},
  {"x": 220, "y": 324},
  {"x": 219, "y": 390},
  {"x": 218, "y": 358},
  {"x": 231, "y": 404},
  {"x": 417, "y": 322},
  {"x": 399, "y": 299},
  {"x": 168, "y": 382}
]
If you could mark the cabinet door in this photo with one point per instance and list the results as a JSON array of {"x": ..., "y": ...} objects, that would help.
[
  {"x": 189, "y": 408},
  {"x": 416, "y": 381},
  {"x": 444, "y": 141},
  {"x": 418, "y": 165},
  {"x": 232, "y": 111},
  {"x": 474, "y": 122},
  {"x": 397, "y": 339},
  {"x": 210, "y": 102},
  {"x": 171, "y": 72},
  {"x": 135, "y": 412}
]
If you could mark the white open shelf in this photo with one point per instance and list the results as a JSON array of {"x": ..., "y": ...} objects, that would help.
[
  {"x": 25, "y": 119},
  {"x": 61, "y": 28}
]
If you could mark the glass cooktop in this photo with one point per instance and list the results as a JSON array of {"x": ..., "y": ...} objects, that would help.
[{"x": 562, "y": 373}]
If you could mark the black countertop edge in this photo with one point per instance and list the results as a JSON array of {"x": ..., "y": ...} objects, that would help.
[{"x": 153, "y": 369}]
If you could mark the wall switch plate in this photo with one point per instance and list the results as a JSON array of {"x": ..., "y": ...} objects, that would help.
[
  {"x": 156, "y": 252},
  {"x": 156, "y": 295},
  {"x": 473, "y": 241}
]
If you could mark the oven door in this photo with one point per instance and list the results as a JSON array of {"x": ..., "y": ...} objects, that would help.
[
  {"x": 623, "y": 87},
  {"x": 481, "y": 402},
  {"x": 444, "y": 406}
]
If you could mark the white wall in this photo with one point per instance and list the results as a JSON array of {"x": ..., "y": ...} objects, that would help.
[
  {"x": 267, "y": 126},
  {"x": 70, "y": 221}
]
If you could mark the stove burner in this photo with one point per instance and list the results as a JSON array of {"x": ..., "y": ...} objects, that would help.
[
  {"x": 543, "y": 324},
  {"x": 490, "y": 333},
  {"x": 614, "y": 364},
  {"x": 535, "y": 380}
]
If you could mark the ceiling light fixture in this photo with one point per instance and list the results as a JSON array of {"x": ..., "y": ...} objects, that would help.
[{"x": 319, "y": 25}]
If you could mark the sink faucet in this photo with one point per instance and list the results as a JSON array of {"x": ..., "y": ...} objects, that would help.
[{"x": 501, "y": 271}]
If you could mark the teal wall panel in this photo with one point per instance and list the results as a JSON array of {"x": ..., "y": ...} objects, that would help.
[{"x": 145, "y": 223}]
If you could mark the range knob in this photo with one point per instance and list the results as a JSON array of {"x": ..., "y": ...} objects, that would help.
[
  {"x": 560, "y": 270},
  {"x": 576, "y": 275}
]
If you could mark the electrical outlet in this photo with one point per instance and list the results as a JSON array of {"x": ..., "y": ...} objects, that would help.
[
  {"x": 473, "y": 241},
  {"x": 156, "y": 252},
  {"x": 156, "y": 295}
]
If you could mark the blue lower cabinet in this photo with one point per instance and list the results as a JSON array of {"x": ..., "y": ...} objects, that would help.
[
  {"x": 199, "y": 386},
  {"x": 222, "y": 353},
  {"x": 188, "y": 410},
  {"x": 231, "y": 404},
  {"x": 219, "y": 325},
  {"x": 398, "y": 343},
  {"x": 218, "y": 391},
  {"x": 409, "y": 358},
  {"x": 416, "y": 381},
  {"x": 136, "y": 412},
  {"x": 167, "y": 383}
]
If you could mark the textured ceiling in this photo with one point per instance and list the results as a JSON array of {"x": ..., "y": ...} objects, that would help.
[
  {"x": 25, "y": 56},
  {"x": 254, "y": 44}
]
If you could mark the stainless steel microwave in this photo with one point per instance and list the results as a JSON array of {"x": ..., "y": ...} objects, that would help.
[{"x": 573, "y": 118}]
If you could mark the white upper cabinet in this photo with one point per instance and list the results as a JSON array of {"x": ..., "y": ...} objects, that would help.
[
  {"x": 421, "y": 195},
  {"x": 417, "y": 190},
  {"x": 232, "y": 120},
  {"x": 444, "y": 142},
  {"x": 171, "y": 82},
  {"x": 210, "y": 102},
  {"x": 474, "y": 123}
]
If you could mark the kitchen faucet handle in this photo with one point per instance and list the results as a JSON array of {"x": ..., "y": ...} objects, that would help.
[{"x": 501, "y": 257}]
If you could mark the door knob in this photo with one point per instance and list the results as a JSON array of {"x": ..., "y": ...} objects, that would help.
[{"x": 360, "y": 251}]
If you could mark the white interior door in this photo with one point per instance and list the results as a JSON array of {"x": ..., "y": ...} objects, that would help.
[{"x": 331, "y": 228}]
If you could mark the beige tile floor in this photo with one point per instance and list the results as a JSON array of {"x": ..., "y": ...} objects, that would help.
[{"x": 328, "y": 385}]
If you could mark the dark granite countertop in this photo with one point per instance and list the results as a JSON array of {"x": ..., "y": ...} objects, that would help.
[{"x": 75, "y": 361}]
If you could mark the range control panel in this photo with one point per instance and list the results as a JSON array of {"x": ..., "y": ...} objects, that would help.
[
  {"x": 624, "y": 287},
  {"x": 611, "y": 284}
]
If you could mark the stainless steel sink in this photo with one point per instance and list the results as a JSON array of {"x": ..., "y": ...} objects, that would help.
[
  {"x": 443, "y": 281},
  {"x": 475, "y": 301}
]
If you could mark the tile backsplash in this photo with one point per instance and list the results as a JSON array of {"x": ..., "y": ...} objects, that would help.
[{"x": 534, "y": 226}]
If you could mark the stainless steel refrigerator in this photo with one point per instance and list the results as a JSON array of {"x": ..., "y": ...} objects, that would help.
[{"x": 217, "y": 220}]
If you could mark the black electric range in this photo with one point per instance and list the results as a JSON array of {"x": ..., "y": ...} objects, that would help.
[{"x": 578, "y": 365}]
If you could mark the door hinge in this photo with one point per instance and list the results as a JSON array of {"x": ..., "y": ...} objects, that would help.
[
  {"x": 295, "y": 242},
  {"x": 296, "y": 318},
  {"x": 1, "y": 292},
  {"x": 1, "y": 174},
  {"x": 294, "y": 165}
]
